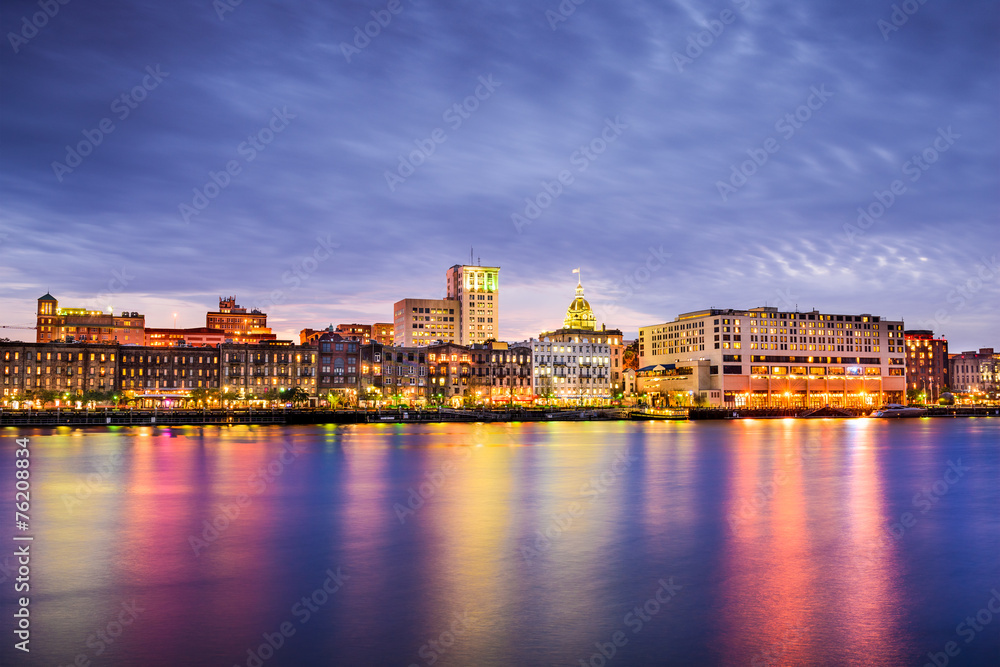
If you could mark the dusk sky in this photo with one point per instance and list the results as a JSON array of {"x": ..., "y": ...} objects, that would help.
[{"x": 644, "y": 109}]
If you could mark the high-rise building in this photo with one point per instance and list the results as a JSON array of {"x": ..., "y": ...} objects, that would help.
[
  {"x": 55, "y": 324},
  {"x": 761, "y": 357},
  {"x": 477, "y": 290},
  {"x": 926, "y": 365},
  {"x": 419, "y": 322}
]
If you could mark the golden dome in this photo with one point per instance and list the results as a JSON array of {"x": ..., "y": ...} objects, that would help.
[{"x": 580, "y": 315}]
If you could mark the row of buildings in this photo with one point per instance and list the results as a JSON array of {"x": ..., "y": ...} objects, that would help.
[{"x": 447, "y": 351}]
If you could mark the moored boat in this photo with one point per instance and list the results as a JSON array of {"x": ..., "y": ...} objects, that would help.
[{"x": 896, "y": 410}]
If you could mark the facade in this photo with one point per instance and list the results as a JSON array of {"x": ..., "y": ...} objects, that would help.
[
  {"x": 926, "y": 365},
  {"x": 572, "y": 365},
  {"x": 253, "y": 368},
  {"x": 477, "y": 290},
  {"x": 338, "y": 365},
  {"x": 194, "y": 337},
  {"x": 240, "y": 325},
  {"x": 451, "y": 374},
  {"x": 55, "y": 324},
  {"x": 66, "y": 368},
  {"x": 394, "y": 374},
  {"x": 975, "y": 371},
  {"x": 761, "y": 357},
  {"x": 501, "y": 373},
  {"x": 421, "y": 322},
  {"x": 383, "y": 332},
  {"x": 160, "y": 372}
]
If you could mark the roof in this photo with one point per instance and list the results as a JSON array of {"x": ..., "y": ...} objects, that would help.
[{"x": 48, "y": 297}]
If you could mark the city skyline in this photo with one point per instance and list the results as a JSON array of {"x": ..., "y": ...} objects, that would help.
[{"x": 605, "y": 138}]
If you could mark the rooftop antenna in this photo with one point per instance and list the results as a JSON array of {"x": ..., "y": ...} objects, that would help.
[{"x": 470, "y": 254}]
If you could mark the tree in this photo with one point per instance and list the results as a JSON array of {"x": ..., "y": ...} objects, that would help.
[
  {"x": 296, "y": 395},
  {"x": 630, "y": 359},
  {"x": 45, "y": 396}
]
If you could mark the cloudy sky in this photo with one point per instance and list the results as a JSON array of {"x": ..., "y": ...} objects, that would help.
[{"x": 155, "y": 156}]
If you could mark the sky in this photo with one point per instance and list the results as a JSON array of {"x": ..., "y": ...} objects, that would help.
[{"x": 321, "y": 160}]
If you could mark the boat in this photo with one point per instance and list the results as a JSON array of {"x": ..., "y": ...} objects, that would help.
[{"x": 896, "y": 410}]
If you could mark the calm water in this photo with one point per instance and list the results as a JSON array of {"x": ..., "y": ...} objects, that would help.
[{"x": 834, "y": 542}]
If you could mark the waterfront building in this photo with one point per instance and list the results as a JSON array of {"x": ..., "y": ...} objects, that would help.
[
  {"x": 395, "y": 375},
  {"x": 160, "y": 373},
  {"x": 975, "y": 371},
  {"x": 926, "y": 366},
  {"x": 477, "y": 291},
  {"x": 572, "y": 365},
  {"x": 240, "y": 325},
  {"x": 502, "y": 372},
  {"x": 79, "y": 325},
  {"x": 451, "y": 374},
  {"x": 62, "y": 367},
  {"x": 763, "y": 357},
  {"x": 421, "y": 322},
  {"x": 338, "y": 365},
  {"x": 193, "y": 337},
  {"x": 253, "y": 368}
]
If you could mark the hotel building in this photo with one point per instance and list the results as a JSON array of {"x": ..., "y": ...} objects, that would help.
[
  {"x": 761, "y": 357},
  {"x": 79, "y": 325},
  {"x": 926, "y": 365},
  {"x": 421, "y": 322},
  {"x": 63, "y": 367},
  {"x": 477, "y": 290}
]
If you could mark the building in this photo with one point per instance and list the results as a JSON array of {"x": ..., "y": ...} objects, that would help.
[
  {"x": 193, "y": 337},
  {"x": 503, "y": 373},
  {"x": 451, "y": 374},
  {"x": 240, "y": 325},
  {"x": 394, "y": 375},
  {"x": 572, "y": 365},
  {"x": 67, "y": 368},
  {"x": 477, "y": 290},
  {"x": 253, "y": 368},
  {"x": 975, "y": 371},
  {"x": 761, "y": 357},
  {"x": 383, "y": 332},
  {"x": 160, "y": 373},
  {"x": 338, "y": 366},
  {"x": 421, "y": 322},
  {"x": 926, "y": 366},
  {"x": 363, "y": 332},
  {"x": 79, "y": 325}
]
